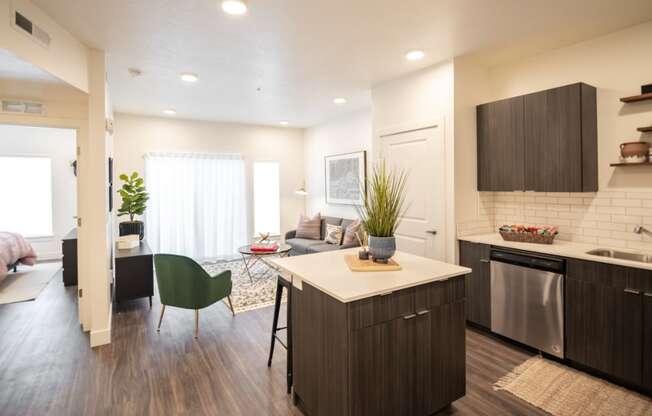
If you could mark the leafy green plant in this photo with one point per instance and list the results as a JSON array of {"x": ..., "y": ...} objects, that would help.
[
  {"x": 134, "y": 197},
  {"x": 384, "y": 202}
]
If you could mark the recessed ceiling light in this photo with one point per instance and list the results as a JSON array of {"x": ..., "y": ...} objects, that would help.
[
  {"x": 415, "y": 55},
  {"x": 170, "y": 111},
  {"x": 284, "y": 123},
  {"x": 189, "y": 77},
  {"x": 339, "y": 101},
  {"x": 236, "y": 7}
]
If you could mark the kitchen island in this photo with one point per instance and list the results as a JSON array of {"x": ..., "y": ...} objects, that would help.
[{"x": 376, "y": 343}]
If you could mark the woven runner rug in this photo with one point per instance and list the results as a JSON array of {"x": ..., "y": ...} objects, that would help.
[{"x": 563, "y": 391}]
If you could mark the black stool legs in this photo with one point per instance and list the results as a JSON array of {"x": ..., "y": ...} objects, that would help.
[{"x": 280, "y": 284}]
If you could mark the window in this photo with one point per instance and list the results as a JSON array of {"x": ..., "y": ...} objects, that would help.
[
  {"x": 197, "y": 204},
  {"x": 26, "y": 186},
  {"x": 267, "y": 198}
]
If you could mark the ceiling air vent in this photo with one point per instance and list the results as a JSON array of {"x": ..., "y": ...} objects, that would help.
[
  {"x": 23, "y": 107},
  {"x": 25, "y": 25}
]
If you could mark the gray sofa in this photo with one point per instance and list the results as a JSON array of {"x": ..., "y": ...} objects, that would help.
[{"x": 304, "y": 246}]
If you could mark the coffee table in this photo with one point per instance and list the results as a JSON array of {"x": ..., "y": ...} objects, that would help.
[{"x": 250, "y": 257}]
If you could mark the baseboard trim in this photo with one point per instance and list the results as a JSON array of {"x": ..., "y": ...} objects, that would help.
[{"x": 102, "y": 336}]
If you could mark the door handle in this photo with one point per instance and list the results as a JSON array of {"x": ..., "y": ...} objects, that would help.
[
  {"x": 410, "y": 316},
  {"x": 423, "y": 312},
  {"x": 632, "y": 291},
  {"x": 433, "y": 232}
]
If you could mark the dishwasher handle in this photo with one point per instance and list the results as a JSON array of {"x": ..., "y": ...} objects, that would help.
[{"x": 549, "y": 264}]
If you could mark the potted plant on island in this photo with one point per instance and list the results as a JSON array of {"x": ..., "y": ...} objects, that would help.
[
  {"x": 383, "y": 206},
  {"x": 134, "y": 200}
]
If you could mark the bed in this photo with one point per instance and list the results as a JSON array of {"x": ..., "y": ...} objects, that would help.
[{"x": 14, "y": 250}]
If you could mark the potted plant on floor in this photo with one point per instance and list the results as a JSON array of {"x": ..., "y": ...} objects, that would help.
[
  {"x": 134, "y": 202},
  {"x": 383, "y": 206}
]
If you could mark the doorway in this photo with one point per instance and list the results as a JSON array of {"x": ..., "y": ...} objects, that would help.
[{"x": 421, "y": 153}]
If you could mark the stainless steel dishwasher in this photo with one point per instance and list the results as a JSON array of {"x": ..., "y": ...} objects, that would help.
[{"x": 527, "y": 299}]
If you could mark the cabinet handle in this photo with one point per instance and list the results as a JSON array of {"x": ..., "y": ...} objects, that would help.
[
  {"x": 648, "y": 294},
  {"x": 632, "y": 291},
  {"x": 423, "y": 312},
  {"x": 410, "y": 316},
  {"x": 386, "y": 293},
  {"x": 485, "y": 260}
]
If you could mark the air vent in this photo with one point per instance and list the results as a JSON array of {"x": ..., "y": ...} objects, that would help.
[
  {"x": 23, "y": 107},
  {"x": 25, "y": 25}
]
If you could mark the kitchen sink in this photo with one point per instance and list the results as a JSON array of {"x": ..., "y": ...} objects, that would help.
[{"x": 604, "y": 252}]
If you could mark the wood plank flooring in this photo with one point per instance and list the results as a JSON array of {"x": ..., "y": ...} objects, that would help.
[{"x": 47, "y": 368}]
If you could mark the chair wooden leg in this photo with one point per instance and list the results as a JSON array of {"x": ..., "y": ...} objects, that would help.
[
  {"x": 230, "y": 305},
  {"x": 196, "y": 323},
  {"x": 160, "y": 319}
]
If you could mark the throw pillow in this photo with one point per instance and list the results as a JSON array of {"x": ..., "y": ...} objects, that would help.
[
  {"x": 309, "y": 228},
  {"x": 333, "y": 234},
  {"x": 350, "y": 232}
]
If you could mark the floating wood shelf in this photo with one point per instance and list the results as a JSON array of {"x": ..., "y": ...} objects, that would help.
[
  {"x": 636, "y": 98},
  {"x": 632, "y": 164},
  {"x": 647, "y": 129}
]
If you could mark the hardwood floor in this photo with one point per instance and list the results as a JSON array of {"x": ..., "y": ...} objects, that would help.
[{"x": 46, "y": 366}]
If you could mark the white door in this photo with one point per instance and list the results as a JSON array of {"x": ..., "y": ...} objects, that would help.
[{"x": 421, "y": 153}]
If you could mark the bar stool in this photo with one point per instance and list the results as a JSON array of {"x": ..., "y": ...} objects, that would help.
[{"x": 280, "y": 284}]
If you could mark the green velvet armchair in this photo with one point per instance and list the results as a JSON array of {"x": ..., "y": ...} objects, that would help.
[{"x": 182, "y": 283}]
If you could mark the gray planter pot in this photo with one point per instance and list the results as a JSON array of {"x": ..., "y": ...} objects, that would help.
[{"x": 382, "y": 248}]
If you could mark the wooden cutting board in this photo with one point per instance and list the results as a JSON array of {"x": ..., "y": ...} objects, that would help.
[{"x": 357, "y": 265}]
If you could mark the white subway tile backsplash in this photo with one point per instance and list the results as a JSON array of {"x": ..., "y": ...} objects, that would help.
[
  {"x": 627, "y": 202},
  {"x": 645, "y": 212},
  {"x": 605, "y": 218}
]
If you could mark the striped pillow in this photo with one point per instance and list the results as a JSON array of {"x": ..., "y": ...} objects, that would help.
[
  {"x": 334, "y": 234},
  {"x": 309, "y": 228},
  {"x": 350, "y": 232}
]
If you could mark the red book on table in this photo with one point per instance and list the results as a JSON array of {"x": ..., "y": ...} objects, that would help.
[{"x": 264, "y": 247}]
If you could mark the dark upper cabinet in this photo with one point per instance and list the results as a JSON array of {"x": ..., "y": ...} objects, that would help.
[
  {"x": 501, "y": 145},
  {"x": 545, "y": 142},
  {"x": 605, "y": 319},
  {"x": 478, "y": 283}
]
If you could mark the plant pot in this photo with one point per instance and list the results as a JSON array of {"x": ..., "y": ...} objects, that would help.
[
  {"x": 382, "y": 249},
  {"x": 634, "y": 149},
  {"x": 132, "y": 227}
]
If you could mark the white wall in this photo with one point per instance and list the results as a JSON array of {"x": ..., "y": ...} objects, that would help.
[
  {"x": 59, "y": 145},
  {"x": 136, "y": 135},
  {"x": 66, "y": 58},
  {"x": 418, "y": 99},
  {"x": 617, "y": 65},
  {"x": 346, "y": 134}
]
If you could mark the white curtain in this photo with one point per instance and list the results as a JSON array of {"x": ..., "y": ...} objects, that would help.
[{"x": 197, "y": 205}]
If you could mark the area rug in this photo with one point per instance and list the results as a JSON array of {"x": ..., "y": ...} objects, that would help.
[
  {"x": 563, "y": 391},
  {"x": 247, "y": 295},
  {"x": 27, "y": 283}
]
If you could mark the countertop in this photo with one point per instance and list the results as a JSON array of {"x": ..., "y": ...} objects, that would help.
[
  {"x": 329, "y": 273},
  {"x": 560, "y": 248}
]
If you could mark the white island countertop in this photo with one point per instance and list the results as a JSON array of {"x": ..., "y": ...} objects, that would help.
[
  {"x": 562, "y": 248},
  {"x": 329, "y": 273}
]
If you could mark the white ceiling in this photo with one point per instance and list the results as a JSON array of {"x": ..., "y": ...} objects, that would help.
[
  {"x": 12, "y": 67},
  {"x": 303, "y": 53}
]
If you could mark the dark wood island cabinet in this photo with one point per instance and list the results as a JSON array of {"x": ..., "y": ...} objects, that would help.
[{"x": 401, "y": 352}]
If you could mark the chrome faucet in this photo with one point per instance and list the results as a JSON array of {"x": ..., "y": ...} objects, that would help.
[{"x": 642, "y": 230}]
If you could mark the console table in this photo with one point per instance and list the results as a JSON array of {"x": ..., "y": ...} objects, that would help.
[{"x": 134, "y": 273}]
